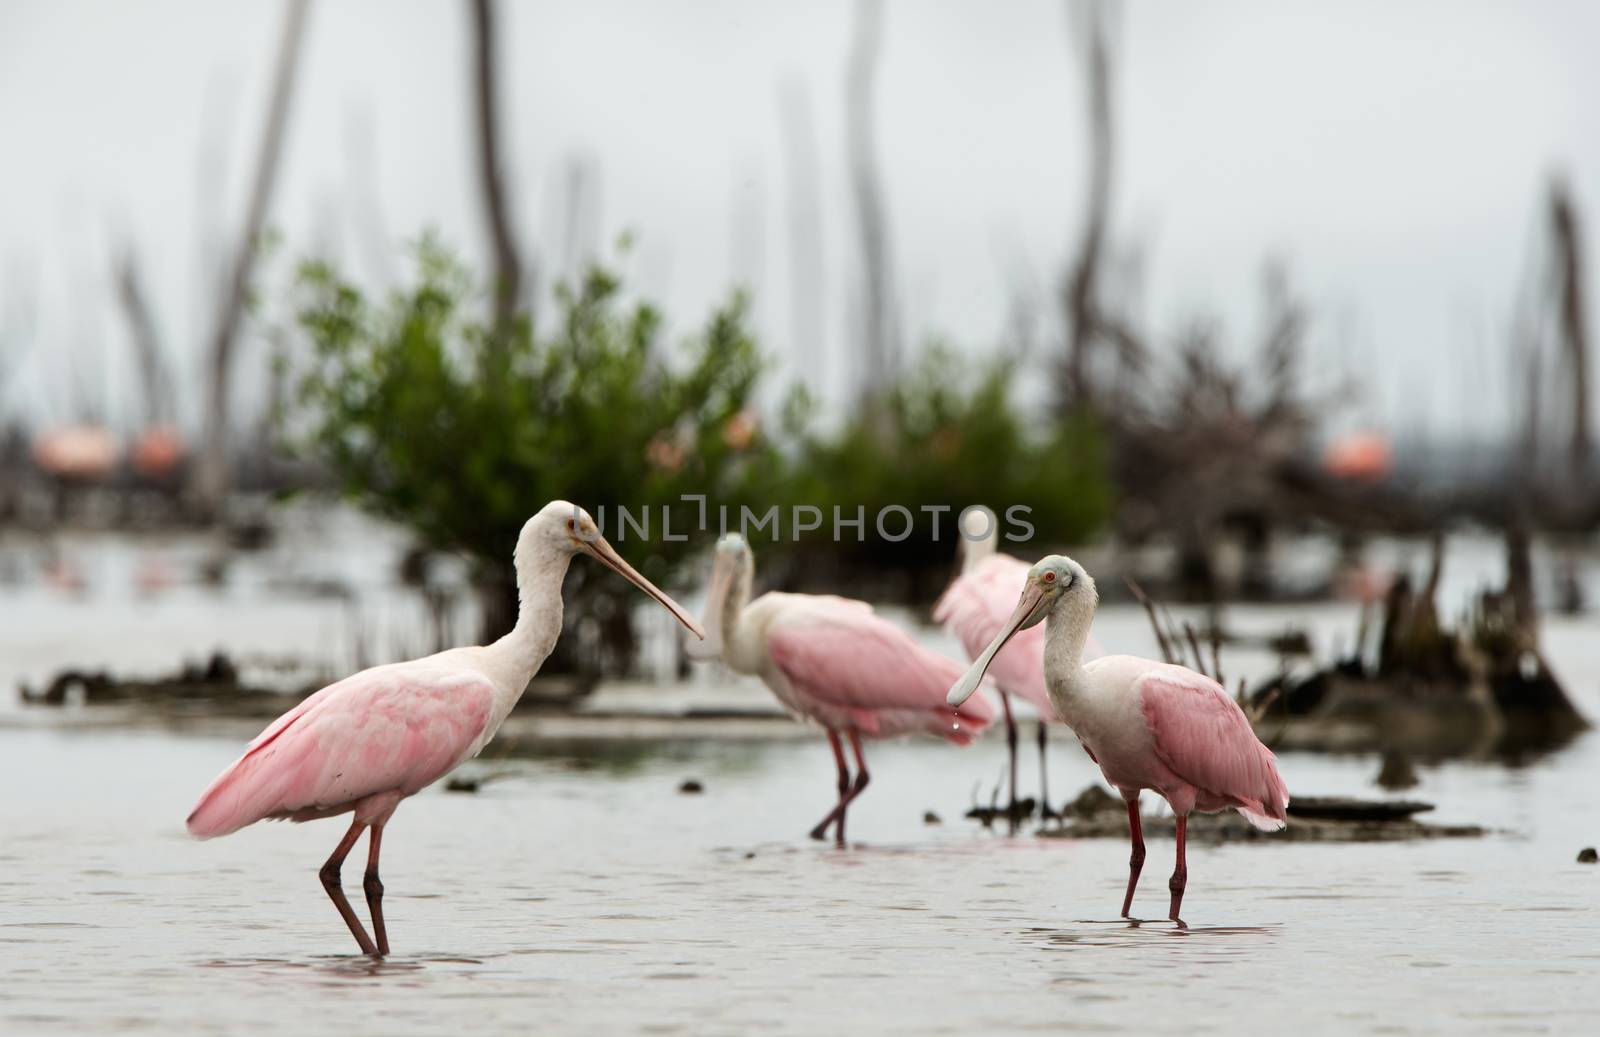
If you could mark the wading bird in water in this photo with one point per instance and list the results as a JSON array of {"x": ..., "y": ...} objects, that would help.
[
  {"x": 1148, "y": 725},
  {"x": 832, "y": 661},
  {"x": 974, "y": 608},
  {"x": 369, "y": 741}
]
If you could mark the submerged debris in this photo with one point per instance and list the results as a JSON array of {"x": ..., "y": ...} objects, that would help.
[
  {"x": 1588, "y": 855},
  {"x": 460, "y": 784},
  {"x": 1397, "y": 772},
  {"x": 1420, "y": 685},
  {"x": 1016, "y": 813},
  {"x": 930, "y": 818},
  {"x": 691, "y": 787},
  {"x": 216, "y": 682},
  {"x": 1093, "y": 800}
]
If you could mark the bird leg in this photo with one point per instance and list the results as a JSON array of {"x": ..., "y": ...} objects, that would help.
[
  {"x": 374, "y": 888},
  {"x": 821, "y": 831},
  {"x": 1046, "y": 812},
  {"x": 1011, "y": 755},
  {"x": 862, "y": 777},
  {"x": 1180, "y": 875},
  {"x": 330, "y": 882},
  {"x": 1136, "y": 859},
  {"x": 848, "y": 791}
]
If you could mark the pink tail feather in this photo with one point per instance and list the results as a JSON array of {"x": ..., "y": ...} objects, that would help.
[
  {"x": 1270, "y": 813},
  {"x": 254, "y": 787}
]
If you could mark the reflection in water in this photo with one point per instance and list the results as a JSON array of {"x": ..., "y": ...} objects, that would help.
[{"x": 1125, "y": 932}]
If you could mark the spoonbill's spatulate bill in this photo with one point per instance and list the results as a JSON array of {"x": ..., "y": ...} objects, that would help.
[
  {"x": 364, "y": 744},
  {"x": 1148, "y": 725},
  {"x": 832, "y": 661},
  {"x": 974, "y": 608}
]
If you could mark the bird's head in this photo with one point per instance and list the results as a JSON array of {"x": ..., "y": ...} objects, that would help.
[
  {"x": 980, "y": 535},
  {"x": 564, "y": 529},
  {"x": 1054, "y": 585}
]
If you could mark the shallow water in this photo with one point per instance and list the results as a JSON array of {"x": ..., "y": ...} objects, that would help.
[
  {"x": 582, "y": 900},
  {"x": 587, "y": 895}
]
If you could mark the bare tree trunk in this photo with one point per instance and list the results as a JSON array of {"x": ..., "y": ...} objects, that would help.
[
  {"x": 880, "y": 329},
  {"x": 1519, "y": 583},
  {"x": 153, "y": 373},
  {"x": 507, "y": 264},
  {"x": 805, "y": 235},
  {"x": 1080, "y": 290},
  {"x": 579, "y": 216},
  {"x": 1574, "y": 327},
  {"x": 212, "y": 475}
]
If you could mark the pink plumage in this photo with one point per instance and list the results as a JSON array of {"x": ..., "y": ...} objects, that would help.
[
  {"x": 1147, "y": 724},
  {"x": 836, "y": 663},
  {"x": 365, "y": 742},
  {"x": 974, "y": 608},
  {"x": 1203, "y": 737},
  {"x": 856, "y": 668}
]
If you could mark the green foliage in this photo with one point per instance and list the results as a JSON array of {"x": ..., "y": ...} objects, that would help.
[
  {"x": 949, "y": 433},
  {"x": 427, "y": 417}
]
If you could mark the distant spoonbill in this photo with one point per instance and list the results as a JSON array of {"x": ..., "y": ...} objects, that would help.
[
  {"x": 832, "y": 661},
  {"x": 369, "y": 741},
  {"x": 974, "y": 608},
  {"x": 1148, "y": 725}
]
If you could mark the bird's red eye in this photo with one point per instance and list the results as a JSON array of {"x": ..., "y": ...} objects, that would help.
[
  {"x": 572, "y": 524},
  {"x": 1049, "y": 577}
]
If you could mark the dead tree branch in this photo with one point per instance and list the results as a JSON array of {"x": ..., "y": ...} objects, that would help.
[
  {"x": 507, "y": 263},
  {"x": 880, "y": 328},
  {"x": 212, "y": 475}
]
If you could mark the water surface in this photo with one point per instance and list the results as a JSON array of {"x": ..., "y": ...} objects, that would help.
[{"x": 586, "y": 895}]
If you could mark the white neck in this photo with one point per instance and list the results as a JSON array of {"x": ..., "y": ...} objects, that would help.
[
  {"x": 975, "y": 551},
  {"x": 518, "y": 655},
  {"x": 1065, "y": 634},
  {"x": 737, "y": 650}
]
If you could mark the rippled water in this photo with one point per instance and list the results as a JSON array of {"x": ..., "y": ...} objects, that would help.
[
  {"x": 586, "y": 895},
  {"x": 600, "y": 899}
]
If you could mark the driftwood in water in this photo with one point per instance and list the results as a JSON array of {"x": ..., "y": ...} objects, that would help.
[
  {"x": 1312, "y": 819},
  {"x": 1345, "y": 808}
]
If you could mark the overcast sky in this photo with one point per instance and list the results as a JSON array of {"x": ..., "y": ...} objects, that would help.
[{"x": 1396, "y": 154}]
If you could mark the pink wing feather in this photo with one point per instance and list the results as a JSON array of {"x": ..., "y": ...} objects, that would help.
[
  {"x": 856, "y": 661},
  {"x": 387, "y": 729},
  {"x": 1204, "y": 738}
]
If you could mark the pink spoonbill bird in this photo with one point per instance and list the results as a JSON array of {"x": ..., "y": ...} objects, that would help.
[
  {"x": 362, "y": 745},
  {"x": 974, "y": 608},
  {"x": 834, "y": 662},
  {"x": 1148, "y": 725}
]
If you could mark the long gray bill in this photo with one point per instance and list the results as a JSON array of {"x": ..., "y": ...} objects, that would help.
[
  {"x": 607, "y": 555},
  {"x": 963, "y": 688}
]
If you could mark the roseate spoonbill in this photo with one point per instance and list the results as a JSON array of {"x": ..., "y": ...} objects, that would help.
[
  {"x": 1148, "y": 725},
  {"x": 369, "y": 741},
  {"x": 834, "y": 662},
  {"x": 974, "y": 608}
]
